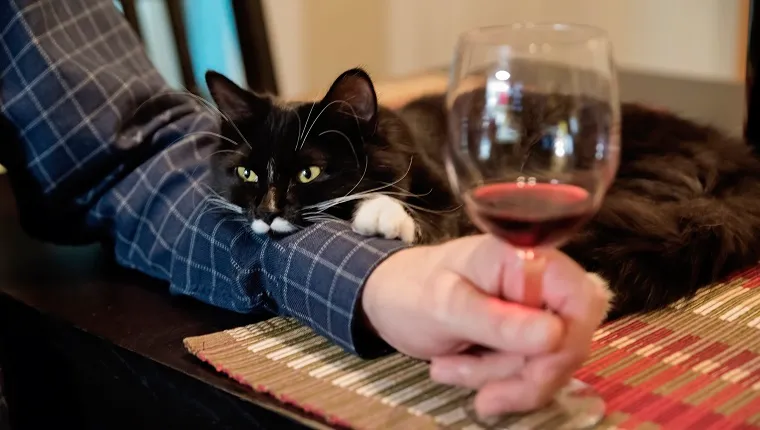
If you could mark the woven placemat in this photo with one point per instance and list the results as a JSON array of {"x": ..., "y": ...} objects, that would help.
[{"x": 695, "y": 365}]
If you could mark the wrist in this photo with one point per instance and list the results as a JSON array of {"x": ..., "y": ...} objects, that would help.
[
  {"x": 368, "y": 340},
  {"x": 371, "y": 297},
  {"x": 380, "y": 295}
]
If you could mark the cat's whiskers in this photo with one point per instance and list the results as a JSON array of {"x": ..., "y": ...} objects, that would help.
[
  {"x": 356, "y": 117},
  {"x": 316, "y": 221},
  {"x": 432, "y": 211},
  {"x": 349, "y": 197},
  {"x": 223, "y": 151},
  {"x": 327, "y": 204},
  {"x": 306, "y": 124},
  {"x": 305, "y": 136},
  {"x": 312, "y": 213},
  {"x": 215, "y": 195},
  {"x": 218, "y": 203},
  {"x": 366, "y": 164},
  {"x": 403, "y": 194},
  {"x": 350, "y": 144},
  {"x": 361, "y": 178},
  {"x": 211, "y": 190},
  {"x": 300, "y": 130},
  {"x": 185, "y": 93},
  {"x": 217, "y": 135},
  {"x": 322, "y": 217},
  {"x": 208, "y": 105},
  {"x": 366, "y": 195},
  {"x": 346, "y": 198}
]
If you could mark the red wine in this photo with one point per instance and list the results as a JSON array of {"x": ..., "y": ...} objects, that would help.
[{"x": 530, "y": 216}]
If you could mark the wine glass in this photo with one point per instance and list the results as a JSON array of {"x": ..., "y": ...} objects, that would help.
[{"x": 534, "y": 123}]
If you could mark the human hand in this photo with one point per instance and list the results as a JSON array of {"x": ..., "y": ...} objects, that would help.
[{"x": 437, "y": 302}]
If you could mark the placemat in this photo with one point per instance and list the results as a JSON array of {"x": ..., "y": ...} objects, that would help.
[{"x": 695, "y": 365}]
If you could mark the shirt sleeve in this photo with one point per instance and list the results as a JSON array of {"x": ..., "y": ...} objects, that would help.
[{"x": 104, "y": 150}]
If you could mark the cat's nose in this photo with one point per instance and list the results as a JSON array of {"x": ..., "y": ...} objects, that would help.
[
  {"x": 268, "y": 210},
  {"x": 267, "y": 215}
]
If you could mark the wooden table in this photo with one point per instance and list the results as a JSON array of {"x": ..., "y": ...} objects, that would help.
[{"x": 87, "y": 343}]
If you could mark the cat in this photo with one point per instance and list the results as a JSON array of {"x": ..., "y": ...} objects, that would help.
[
  {"x": 682, "y": 213},
  {"x": 343, "y": 157}
]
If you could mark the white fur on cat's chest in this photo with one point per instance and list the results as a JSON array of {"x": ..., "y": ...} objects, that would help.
[{"x": 384, "y": 216}]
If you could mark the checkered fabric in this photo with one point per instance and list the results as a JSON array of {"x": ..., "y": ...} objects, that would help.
[
  {"x": 106, "y": 151},
  {"x": 693, "y": 366}
]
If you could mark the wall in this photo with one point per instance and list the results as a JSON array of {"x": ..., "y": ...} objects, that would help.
[{"x": 315, "y": 40}]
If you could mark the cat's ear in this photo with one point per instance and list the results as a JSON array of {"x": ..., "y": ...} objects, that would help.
[
  {"x": 234, "y": 101},
  {"x": 353, "y": 94}
]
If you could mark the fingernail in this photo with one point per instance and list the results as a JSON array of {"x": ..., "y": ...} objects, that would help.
[
  {"x": 450, "y": 374},
  {"x": 447, "y": 373}
]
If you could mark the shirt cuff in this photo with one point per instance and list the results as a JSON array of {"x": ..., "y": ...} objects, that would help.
[{"x": 317, "y": 276}]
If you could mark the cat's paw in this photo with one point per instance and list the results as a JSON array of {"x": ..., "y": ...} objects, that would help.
[
  {"x": 384, "y": 216},
  {"x": 609, "y": 296}
]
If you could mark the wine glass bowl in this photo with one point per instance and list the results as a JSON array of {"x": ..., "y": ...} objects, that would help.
[
  {"x": 533, "y": 115},
  {"x": 534, "y": 105}
]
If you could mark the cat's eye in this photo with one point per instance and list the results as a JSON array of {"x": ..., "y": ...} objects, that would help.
[
  {"x": 309, "y": 174},
  {"x": 247, "y": 175}
]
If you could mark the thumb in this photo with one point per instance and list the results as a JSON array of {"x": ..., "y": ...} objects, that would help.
[
  {"x": 484, "y": 260},
  {"x": 496, "y": 268}
]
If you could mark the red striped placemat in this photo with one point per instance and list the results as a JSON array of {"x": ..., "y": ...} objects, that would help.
[{"x": 695, "y": 366}]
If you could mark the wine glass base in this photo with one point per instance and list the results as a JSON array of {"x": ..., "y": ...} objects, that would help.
[{"x": 577, "y": 406}]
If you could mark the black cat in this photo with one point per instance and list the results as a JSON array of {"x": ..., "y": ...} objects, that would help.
[
  {"x": 683, "y": 212},
  {"x": 343, "y": 157}
]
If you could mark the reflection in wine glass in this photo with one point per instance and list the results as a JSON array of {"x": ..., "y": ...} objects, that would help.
[{"x": 533, "y": 117}]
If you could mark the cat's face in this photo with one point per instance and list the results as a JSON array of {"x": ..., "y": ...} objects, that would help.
[{"x": 288, "y": 162}]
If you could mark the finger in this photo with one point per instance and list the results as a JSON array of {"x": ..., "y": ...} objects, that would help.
[
  {"x": 582, "y": 313},
  {"x": 475, "y": 370},
  {"x": 539, "y": 380},
  {"x": 484, "y": 260},
  {"x": 552, "y": 372},
  {"x": 494, "y": 267},
  {"x": 478, "y": 318},
  {"x": 572, "y": 292},
  {"x": 512, "y": 395},
  {"x": 536, "y": 384}
]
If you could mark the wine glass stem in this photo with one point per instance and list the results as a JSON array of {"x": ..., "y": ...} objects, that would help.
[{"x": 533, "y": 273}]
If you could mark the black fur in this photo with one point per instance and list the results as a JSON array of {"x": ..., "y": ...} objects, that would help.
[
  {"x": 359, "y": 145},
  {"x": 683, "y": 212}
]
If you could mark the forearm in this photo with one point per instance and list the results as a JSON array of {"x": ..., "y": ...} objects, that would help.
[
  {"x": 166, "y": 222},
  {"x": 105, "y": 151}
]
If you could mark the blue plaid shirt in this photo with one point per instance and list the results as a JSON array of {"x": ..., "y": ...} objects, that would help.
[{"x": 106, "y": 151}]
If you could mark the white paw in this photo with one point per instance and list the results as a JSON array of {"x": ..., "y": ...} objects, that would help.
[
  {"x": 384, "y": 216},
  {"x": 604, "y": 289}
]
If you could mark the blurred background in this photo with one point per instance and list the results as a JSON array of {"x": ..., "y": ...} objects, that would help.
[
  {"x": 311, "y": 41},
  {"x": 297, "y": 47}
]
